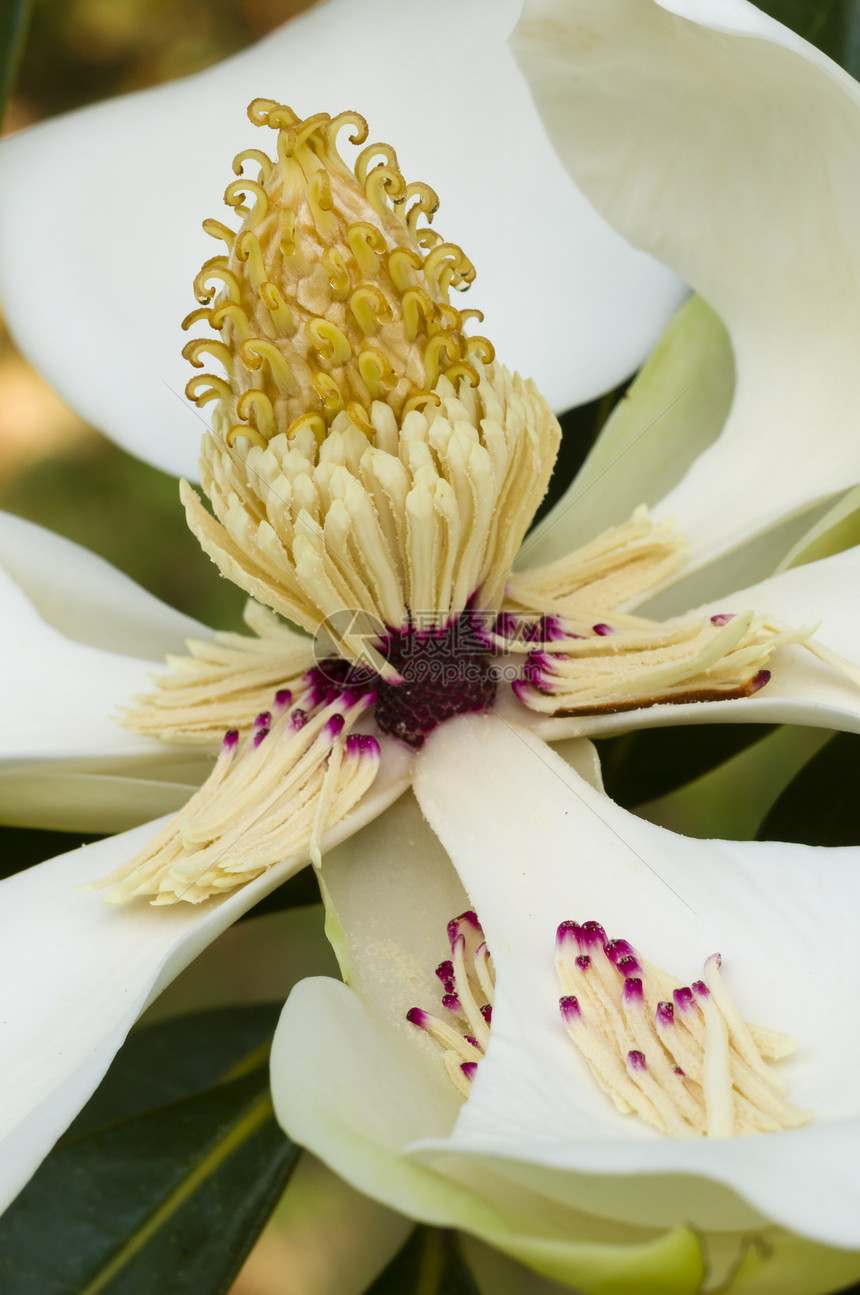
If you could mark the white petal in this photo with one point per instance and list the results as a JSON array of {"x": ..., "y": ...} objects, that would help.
[
  {"x": 566, "y": 300},
  {"x": 76, "y": 973},
  {"x": 802, "y": 689},
  {"x": 77, "y": 631},
  {"x": 725, "y": 145},
  {"x": 86, "y": 598},
  {"x": 57, "y": 695},
  {"x": 534, "y": 845},
  {"x": 673, "y": 410}
]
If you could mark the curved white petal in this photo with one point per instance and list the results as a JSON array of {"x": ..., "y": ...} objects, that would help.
[
  {"x": 534, "y": 845},
  {"x": 802, "y": 689},
  {"x": 723, "y": 144},
  {"x": 76, "y": 632},
  {"x": 673, "y": 410},
  {"x": 566, "y": 301},
  {"x": 76, "y": 973},
  {"x": 86, "y": 598},
  {"x": 57, "y": 695}
]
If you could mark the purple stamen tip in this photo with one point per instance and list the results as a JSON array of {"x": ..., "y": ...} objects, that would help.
[
  {"x": 231, "y": 740},
  {"x": 567, "y": 932},
  {"x": 470, "y": 1039},
  {"x": 760, "y": 680},
  {"x": 445, "y": 971},
  {"x": 569, "y": 1008},
  {"x": 260, "y": 735},
  {"x": 487, "y": 1013},
  {"x": 452, "y": 1003},
  {"x": 682, "y": 1074},
  {"x": 636, "y": 1060},
  {"x": 700, "y": 989},
  {"x": 722, "y": 618},
  {"x": 633, "y": 990},
  {"x": 263, "y": 720},
  {"x": 417, "y": 1016},
  {"x": 333, "y": 727},
  {"x": 469, "y": 1069},
  {"x": 683, "y": 998},
  {"x": 283, "y": 697},
  {"x": 665, "y": 1014},
  {"x": 552, "y": 629},
  {"x": 602, "y": 629},
  {"x": 299, "y": 718},
  {"x": 583, "y": 962},
  {"x": 616, "y": 949},
  {"x": 629, "y": 966},
  {"x": 532, "y": 671},
  {"x": 521, "y": 688},
  {"x": 591, "y": 935}
]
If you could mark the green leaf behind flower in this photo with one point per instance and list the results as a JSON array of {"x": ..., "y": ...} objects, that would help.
[
  {"x": 833, "y": 26},
  {"x": 820, "y": 806},
  {"x": 167, "y": 1177},
  {"x": 429, "y": 1264},
  {"x": 14, "y": 19}
]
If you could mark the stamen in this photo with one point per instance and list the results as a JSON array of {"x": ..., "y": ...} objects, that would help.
[
  {"x": 297, "y": 774},
  {"x": 689, "y": 1067},
  {"x": 688, "y": 659},
  {"x": 334, "y": 318},
  {"x": 469, "y": 982}
]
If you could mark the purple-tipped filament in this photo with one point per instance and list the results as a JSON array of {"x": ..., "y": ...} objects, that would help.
[
  {"x": 680, "y": 1057},
  {"x": 468, "y": 981}
]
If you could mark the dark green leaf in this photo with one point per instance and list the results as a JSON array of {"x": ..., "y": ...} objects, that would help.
[
  {"x": 169, "y": 1200},
  {"x": 821, "y": 805},
  {"x": 832, "y": 25},
  {"x": 167, "y": 1176},
  {"x": 174, "y": 1059},
  {"x": 429, "y": 1264},
  {"x": 14, "y": 17},
  {"x": 640, "y": 766},
  {"x": 21, "y": 847}
]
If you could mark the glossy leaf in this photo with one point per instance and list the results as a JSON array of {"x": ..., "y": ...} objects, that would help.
[
  {"x": 429, "y": 1264},
  {"x": 177, "y": 1058},
  {"x": 820, "y": 806},
  {"x": 832, "y": 25},
  {"x": 642, "y": 765},
  {"x": 14, "y": 18},
  {"x": 169, "y": 1174}
]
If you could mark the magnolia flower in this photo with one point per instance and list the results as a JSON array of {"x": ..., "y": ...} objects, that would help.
[{"x": 367, "y": 456}]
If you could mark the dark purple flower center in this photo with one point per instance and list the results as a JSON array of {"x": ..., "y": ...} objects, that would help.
[{"x": 444, "y": 670}]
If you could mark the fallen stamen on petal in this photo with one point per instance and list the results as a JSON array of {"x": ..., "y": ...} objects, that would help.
[
  {"x": 690, "y": 1067},
  {"x": 468, "y": 979},
  {"x": 684, "y": 660}
]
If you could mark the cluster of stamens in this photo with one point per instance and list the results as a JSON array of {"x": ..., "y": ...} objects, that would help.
[
  {"x": 272, "y": 795},
  {"x": 468, "y": 982},
  {"x": 680, "y": 1057}
]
